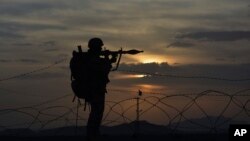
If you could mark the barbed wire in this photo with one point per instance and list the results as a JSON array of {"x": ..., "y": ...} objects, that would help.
[
  {"x": 33, "y": 71},
  {"x": 119, "y": 112}
]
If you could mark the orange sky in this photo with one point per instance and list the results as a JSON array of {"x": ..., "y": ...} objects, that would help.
[{"x": 194, "y": 37}]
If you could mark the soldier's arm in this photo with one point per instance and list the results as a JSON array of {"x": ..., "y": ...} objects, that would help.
[{"x": 113, "y": 58}]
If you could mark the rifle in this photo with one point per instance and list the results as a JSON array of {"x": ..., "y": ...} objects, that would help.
[
  {"x": 107, "y": 53},
  {"x": 119, "y": 52}
]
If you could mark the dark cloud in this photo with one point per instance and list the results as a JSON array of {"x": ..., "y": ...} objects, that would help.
[
  {"x": 150, "y": 67},
  {"x": 51, "y": 50},
  {"x": 23, "y": 44},
  {"x": 49, "y": 43},
  {"x": 20, "y": 60},
  {"x": 14, "y": 27},
  {"x": 17, "y": 30},
  {"x": 180, "y": 44},
  {"x": 179, "y": 84},
  {"x": 228, "y": 71},
  {"x": 22, "y": 8},
  {"x": 218, "y": 35},
  {"x": 7, "y": 34},
  {"x": 49, "y": 46},
  {"x": 5, "y": 60},
  {"x": 45, "y": 75},
  {"x": 179, "y": 73},
  {"x": 29, "y": 61},
  {"x": 221, "y": 59}
]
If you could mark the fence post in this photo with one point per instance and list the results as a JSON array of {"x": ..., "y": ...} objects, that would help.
[{"x": 137, "y": 121}]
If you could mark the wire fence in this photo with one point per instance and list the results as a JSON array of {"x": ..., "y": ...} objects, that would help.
[
  {"x": 121, "y": 111},
  {"x": 217, "y": 109}
]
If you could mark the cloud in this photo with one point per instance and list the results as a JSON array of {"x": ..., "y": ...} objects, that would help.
[
  {"x": 49, "y": 43},
  {"x": 179, "y": 81},
  {"x": 7, "y": 34},
  {"x": 49, "y": 46},
  {"x": 29, "y": 61},
  {"x": 228, "y": 71},
  {"x": 218, "y": 35},
  {"x": 16, "y": 26},
  {"x": 5, "y": 60},
  {"x": 25, "y": 60},
  {"x": 146, "y": 25},
  {"x": 45, "y": 75},
  {"x": 180, "y": 44},
  {"x": 23, "y": 44},
  {"x": 150, "y": 67},
  {"x": 27, "y": 7},
  {"x": 19, "y": 30}
]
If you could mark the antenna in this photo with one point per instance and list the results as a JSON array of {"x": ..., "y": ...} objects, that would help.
[{"x": 137, "y": 121}]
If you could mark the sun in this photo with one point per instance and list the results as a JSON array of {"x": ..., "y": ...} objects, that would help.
[{"x": 152, "y": 58}]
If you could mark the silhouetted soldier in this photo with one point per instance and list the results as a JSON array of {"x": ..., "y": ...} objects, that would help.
[
  {"x": 98, "y": 69},
  {"x": 89, "y": 77}
]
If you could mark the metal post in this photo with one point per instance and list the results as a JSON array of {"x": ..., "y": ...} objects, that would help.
[
  {"x": 137, "y": 115},
  {"x": 137, "y": 123}
]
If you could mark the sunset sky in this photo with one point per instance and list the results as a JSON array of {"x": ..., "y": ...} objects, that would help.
[{"x": 179, "y": 37}]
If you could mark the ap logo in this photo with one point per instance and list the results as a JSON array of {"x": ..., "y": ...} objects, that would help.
[{"x": 239, "y": 132}]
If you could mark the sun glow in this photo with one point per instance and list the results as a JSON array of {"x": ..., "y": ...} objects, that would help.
[
  {"x": 129, "y": 76},
  {"x": 139, "y": 76},
  {"x": 149, "y": 87},
  {"x": 152, "y": 58},
  {"x": 133, "y": 76}
]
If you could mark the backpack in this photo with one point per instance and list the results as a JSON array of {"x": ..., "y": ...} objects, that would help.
[{"x": 80, "y": 75}]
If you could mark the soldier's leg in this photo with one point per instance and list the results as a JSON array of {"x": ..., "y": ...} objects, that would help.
[{"x": 95, "y": 117}]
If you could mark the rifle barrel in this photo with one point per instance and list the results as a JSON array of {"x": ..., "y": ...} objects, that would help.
[{"x": 132, "y": 52}]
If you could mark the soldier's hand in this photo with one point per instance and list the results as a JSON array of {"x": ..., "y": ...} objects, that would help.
[{"x": 114, "y": 58}]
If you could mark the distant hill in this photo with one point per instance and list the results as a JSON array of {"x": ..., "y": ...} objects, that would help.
[
  {"x": 122, "y": 129},
  {"x": 130, "y": 128},
  {"x": 18, "y": 132},
  {"x": 201, "y": 125},
  {"x": 208, "y": 124}
]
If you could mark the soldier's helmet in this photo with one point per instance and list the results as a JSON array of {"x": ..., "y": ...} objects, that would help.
[{"x": 95, "y": 43}]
